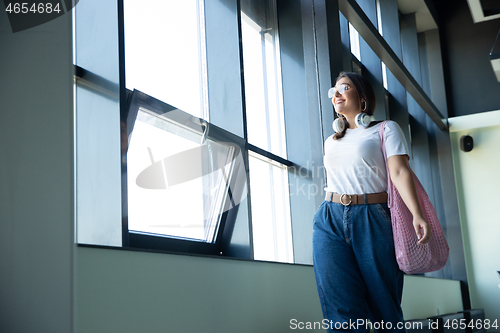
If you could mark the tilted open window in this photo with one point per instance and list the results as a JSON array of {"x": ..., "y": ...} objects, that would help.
[{"x": 182, "y": 176}]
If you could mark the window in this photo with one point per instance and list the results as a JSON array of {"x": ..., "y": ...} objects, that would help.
[
  {"x": 265, "y": 127},
  {"x": 384, "y": 75},
  {"x": 182, "y": 175},
  {"x": 190, "y": 185},
  {"x": 199, "y": 174},
  {"x": 271, "y": 228},
  {"x": 379, "y": 27},
  {"x": 177, "y": 175},
  {"x": 354, "y": 37},
  {"x": 167, "y": 200},
  {"x": 262, "y": 75},
  {"x": 165, "y": 52}
]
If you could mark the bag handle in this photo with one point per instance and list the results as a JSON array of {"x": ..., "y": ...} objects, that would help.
[{"x": 382, "y": 143}]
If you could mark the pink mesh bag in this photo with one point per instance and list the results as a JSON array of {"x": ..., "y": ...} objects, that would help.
[{"x": 413, "y": 258}]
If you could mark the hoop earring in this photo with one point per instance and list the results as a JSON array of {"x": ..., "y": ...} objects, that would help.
[{"x": 364, "y": 108}]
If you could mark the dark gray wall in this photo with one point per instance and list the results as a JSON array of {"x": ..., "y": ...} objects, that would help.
[
  {"x": 471, "y": 83},
  {"x": 36, "y": 177}
]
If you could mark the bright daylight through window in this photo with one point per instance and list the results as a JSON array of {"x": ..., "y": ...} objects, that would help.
[
  {"x": 166, "y": 198},
  {"x": 165, "y": 58},
  {"x": 165, "y": 52},
  {"x": 271, "y": 226},
  {"x": 180, "y": 180}
]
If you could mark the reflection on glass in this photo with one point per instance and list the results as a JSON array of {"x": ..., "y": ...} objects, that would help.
[
  {"x": 354, "y": 37},
  {"x": 177, "y": 179},
  {"x": 165, "y": 52},
  {"x": 262, "y": 75},
  {"x": 271, "y": 226}
]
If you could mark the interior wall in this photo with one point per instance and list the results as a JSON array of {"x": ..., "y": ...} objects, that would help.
[
  {"x": 476, "y": 174},
  {"x": 472, "y": 86},
  {"x": 128, "y": 291},
  {"x": 424, "y": 297},
  {"x": 36, "y": 177}
]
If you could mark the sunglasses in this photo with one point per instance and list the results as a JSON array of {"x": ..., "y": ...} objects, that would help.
[{"x": 340, "y": 89}]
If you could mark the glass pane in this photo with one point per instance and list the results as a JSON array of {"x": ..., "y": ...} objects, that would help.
[
  {"x": 97, "y": 113},
  {"x": 354, "y": 35},
  {"x": 177, "y": 179},
  {"x": 379, "y": 19},
  {"x": 271, "y": 224},
  {"x": 379, "y": 26},
  {"x": 384, "y": 74},
  {"x": 165, "y": 52},
  {"x": 262, "y": 75}
]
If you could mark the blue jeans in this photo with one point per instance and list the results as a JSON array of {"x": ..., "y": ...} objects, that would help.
[{"x": 356, "y": 271}]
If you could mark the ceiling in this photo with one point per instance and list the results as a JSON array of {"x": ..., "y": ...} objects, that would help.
[
  {"x": 423, "y": 16},
  {"x": 484, "y": 10},
  {"x": 481, "y": 10}
]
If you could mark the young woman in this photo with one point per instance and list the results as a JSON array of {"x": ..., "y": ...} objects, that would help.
[{"x": 353, "y": 249}]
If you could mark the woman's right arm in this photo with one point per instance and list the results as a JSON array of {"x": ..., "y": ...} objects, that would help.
[{"x": 402, "y": 178}]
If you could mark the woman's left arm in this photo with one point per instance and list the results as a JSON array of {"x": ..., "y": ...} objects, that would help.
[{"x": 402, "y": 178}]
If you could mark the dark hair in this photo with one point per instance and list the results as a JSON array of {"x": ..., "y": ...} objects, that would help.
[{"x": 364, "y": 90}]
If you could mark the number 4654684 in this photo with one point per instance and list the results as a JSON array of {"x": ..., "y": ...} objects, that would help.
[
  {"x": 37, "y": 8},
  {"x": 474, "y": 324}
]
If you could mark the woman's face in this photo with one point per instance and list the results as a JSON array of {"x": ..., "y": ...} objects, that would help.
[{"x": 347, "y": 102}]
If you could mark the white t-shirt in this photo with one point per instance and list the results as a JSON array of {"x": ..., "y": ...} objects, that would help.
[{"x": 355, "y": 163}]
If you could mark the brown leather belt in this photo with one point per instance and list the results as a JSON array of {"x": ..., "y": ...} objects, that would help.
[{"x": 356, "y": 199}]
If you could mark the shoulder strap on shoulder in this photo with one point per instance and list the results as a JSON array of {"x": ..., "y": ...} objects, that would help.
[{"x": 382, "y": 135}]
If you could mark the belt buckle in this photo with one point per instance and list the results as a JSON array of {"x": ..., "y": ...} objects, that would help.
[{"x": 342, "y": 199}]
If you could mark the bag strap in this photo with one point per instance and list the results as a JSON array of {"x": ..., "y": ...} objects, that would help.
[{"x": 382, "y": 144}]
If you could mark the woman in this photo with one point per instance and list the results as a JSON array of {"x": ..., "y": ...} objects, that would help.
[{"x": 353, "y": 249}]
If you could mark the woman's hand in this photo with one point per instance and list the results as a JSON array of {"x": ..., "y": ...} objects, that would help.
[{"x": 420, "y": 223}]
